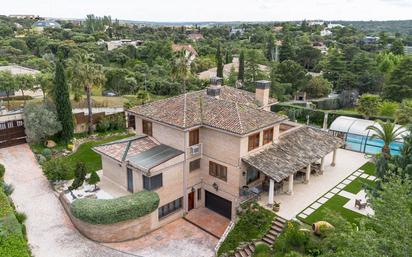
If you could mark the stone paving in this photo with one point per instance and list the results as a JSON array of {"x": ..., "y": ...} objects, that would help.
[{"x": 338, "y": 190}]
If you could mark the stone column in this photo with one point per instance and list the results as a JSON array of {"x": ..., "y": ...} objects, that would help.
[
  {"x": 334, "y": 157},
  {"x": 307, "y": 178},
  {"x": 322, "y": 165},
  {"x": 290, "y": 185},
  {"x": 271, "y": 192}
]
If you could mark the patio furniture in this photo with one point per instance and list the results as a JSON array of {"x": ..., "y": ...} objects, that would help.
[{"x": 359, "y": 204}]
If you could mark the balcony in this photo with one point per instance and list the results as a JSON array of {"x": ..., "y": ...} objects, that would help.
[{"x": 194, "y": 151}]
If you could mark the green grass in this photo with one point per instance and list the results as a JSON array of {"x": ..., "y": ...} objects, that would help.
[
  {"x": 335, "y": 204},
  {"x": 358, "y": 184},
  {"x": 253, "y": 224},
  {"x": 369, "y": 168}
]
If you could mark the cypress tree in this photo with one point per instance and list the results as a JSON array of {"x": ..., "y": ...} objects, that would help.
[
  {"x": 269, "y": 48},
  {"x": 62, "y": 102},
  {"x": 241, "y": 74},
  {"x": 219, "y": 62}
]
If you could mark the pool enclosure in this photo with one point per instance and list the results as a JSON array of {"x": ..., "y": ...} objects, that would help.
[{"x": 358, "y": 138}]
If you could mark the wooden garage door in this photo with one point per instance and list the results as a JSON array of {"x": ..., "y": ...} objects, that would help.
[
  {"x": 12, "y": 133},
  {"x": 218, "y": 204}
]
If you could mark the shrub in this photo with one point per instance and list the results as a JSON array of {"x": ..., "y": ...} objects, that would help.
[
  {"x": 388, "y": 108},
  {"x": 47, "y": 153},
  {"x": 41, "y": 159},
  {"x": 103, "y": 125},
  {"x": 21, "y": 217},
  {"x": 110, "y": 211},
  {"x": 80, "y": 176},
  {"x": 57, "y": 169},
  {"x": 8, "y": 189},
  {"x": 2, "y": 171},
  {"x": 94, "y": 179},
  {"x": 40, "y": 122}
]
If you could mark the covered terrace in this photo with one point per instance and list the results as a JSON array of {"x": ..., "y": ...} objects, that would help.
[{"x": 299, "y": 153}]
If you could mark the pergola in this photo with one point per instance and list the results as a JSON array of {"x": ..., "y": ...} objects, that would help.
[{"x": 296, "y": 150}]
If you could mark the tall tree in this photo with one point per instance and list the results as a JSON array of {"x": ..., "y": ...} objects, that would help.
[
  {"x": 7, "y": 84},
  {"x": 270, "y": 47},
  {"x": 388, "y": 133},
  {"x": 61, "y": 98},
  {"x": 25, "y": 82},
  {"x": 397, "y": 47},
  {"x": 369, "y": 105},
  {"x": 84, "y": 74},
  {"x": 219, "y": 62},
  {"x": 287, "y": 50},
  {"x": 241, "y": 74},
  {"x": 45, "y": 81}
]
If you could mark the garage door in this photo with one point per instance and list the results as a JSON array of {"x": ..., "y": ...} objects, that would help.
[
  {"x": 12, "y": 133},
  {"x": 219, "y": 205}
]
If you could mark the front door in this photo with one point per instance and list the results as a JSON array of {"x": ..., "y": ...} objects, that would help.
[
  {"x": 191, "y": 204},
  {"x": 130, "y": 180}
]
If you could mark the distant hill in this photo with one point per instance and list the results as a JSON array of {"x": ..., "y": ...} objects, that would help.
[{"x": 401, "y": 26}]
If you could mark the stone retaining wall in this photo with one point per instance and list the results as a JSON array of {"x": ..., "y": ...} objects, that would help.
[{"x": 111, "y": 233}]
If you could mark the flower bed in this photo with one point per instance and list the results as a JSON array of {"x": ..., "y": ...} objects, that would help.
[{"x": 110, "y": 211}]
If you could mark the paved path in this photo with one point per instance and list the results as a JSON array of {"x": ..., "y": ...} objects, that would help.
[{"x": 49, "y": 230}]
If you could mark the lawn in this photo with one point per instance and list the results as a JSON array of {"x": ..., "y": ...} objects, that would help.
[
  {"x": 358, "y": 184},
  {"x": 252, "y": 224},
  {"x": 335, "y": 204},
  {"x": 369, "y": 168}
]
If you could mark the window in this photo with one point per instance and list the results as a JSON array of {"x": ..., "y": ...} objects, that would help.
[
  {"x": 218, "y": 171},
  {"x": 194, "y": 165},
  {"x": 199, "y": 194},
  {"x": 152, "y": 183},
  {"x": 267, "y": 136},
  {"x": 194, "y": 137},
  {"x": 252, "y": 175},
  {"x": 254, "y": 141},
  {"x": 147, "y": 127},
  {"x": 170, "y": 207}
]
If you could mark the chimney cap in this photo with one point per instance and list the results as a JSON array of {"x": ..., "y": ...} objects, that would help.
[
  {"x": 263, "y": 84},
  {"x": 217, "y": 81}
]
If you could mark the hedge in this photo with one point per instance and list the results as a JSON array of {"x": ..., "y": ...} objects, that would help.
[
  {"x": 110, "y": 211},
  {"x": 316, "y": 116}
]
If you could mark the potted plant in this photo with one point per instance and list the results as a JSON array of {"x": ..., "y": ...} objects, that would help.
[{"x": 276, "y": 207}]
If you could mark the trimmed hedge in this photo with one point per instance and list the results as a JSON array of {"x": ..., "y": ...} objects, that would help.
[{"x": 110, "y": 211}]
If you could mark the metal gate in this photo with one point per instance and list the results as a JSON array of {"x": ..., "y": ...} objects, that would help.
[{"x": 12, "y": 133}]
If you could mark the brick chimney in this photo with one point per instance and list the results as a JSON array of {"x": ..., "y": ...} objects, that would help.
[
  {"x": 262, "y": 92},
  {"x": 215, "y": 86}
]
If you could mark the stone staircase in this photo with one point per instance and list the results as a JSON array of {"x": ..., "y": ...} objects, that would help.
[
  {"x": 277, "y": 227},
  {"x": 247, "y": 249}
]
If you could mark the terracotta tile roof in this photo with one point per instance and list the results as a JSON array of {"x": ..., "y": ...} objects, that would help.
[
  {"x": 294, "y": 151},
  {"x": 234, "y": 111}
]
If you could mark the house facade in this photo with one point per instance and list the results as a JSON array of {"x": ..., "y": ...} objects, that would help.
[{"x": 194, "y": 149}]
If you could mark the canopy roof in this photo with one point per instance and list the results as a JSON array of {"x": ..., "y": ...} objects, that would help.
[
  {"x": 357, "y": 126},
  {"x": 294, "y": 151}
]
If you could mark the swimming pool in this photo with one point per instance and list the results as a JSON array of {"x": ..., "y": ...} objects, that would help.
[{"x": 368, "y": 145}]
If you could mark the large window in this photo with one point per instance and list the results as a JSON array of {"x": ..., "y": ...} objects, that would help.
[
  {"x": 267, "y": 136},
  {"x": 253, "y": 141},
  {"x": 147, "y": 127},
  {"x": 194, "y": 165},
  {"x": 252, "y": 175},
  {"x": 152, "y": 183},
  {"x": 218, "y": 171},
  {"x": 194, "y": 137},
  {"x": 170, "y": 208}
]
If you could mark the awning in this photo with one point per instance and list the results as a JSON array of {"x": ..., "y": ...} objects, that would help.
[{"x": 294, "y": 151}]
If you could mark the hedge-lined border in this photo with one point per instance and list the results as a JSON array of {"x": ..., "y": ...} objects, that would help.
[{"x": 110, "y": 211}]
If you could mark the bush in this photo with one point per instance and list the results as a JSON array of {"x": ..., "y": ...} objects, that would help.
[
  {"x": 110, "y": 211},
  {"x": 8, "y": 189},
  {"x": 103, "y": 125},
  {"x": 2, "y": 171},
  {"x": 112, "y": 122},
  {"x": 41, "y": 159},
  {"x": 47, "y": 153},
  {"x": 57, "y": 169},
  {"x": 40, "y": 122},
  {"x": 21, "y": 217}
]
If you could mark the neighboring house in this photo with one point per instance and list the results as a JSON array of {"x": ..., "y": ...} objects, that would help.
[
  {"x": 210, "y": 73},
  {"x": 336, "y": 25},
  {"x": 111, "y": 45},
  {"x": 24, "y": 16},
  {"x": 236, "y": 31},
  {"x": 325, "y": 32},
  {"x": 316, "y": 23},
  {"x": 195, "y": 36},
  {"x": 370, "y": 40},
  {"x": 189, "y": 50},
  {"x": 321, "y": 46},
  {"x": 19, "y": 70},
  {"x": 408, "y": 50},
  {"x": 39, "y": 26},
  {"x": 205, "y": 148}
]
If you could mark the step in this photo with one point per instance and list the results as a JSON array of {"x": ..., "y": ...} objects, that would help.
[
  {"x": 276, "y": 228},
  {"x": 273, "y": 232},
  {"x": 279, "y": 224},
  {"x": 237, "y": 254},
  {"x": 273, "y": 237},
  {"x": 281, "y": 219},
  {"x": 248, "y": 251},
  {"x": 243, "y": 253},
  {"x": 268, "y": 241},
  {"x": 252, "y": 247}
]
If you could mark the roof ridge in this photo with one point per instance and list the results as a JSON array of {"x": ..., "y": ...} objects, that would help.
[
  {"x": 238, "y": 116},
  {"x": 184, "y": 109}
]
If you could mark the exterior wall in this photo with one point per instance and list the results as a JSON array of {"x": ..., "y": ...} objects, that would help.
[
  {"x": 245, "y": 140},
  {"x": 114, "y": 171}
]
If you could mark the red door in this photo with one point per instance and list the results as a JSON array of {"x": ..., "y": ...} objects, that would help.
[{"x": 191, "y": 204}]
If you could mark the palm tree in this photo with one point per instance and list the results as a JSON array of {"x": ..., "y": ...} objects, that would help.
[
  {"x": 388, "y": 133},
  {"x": 84, "y": 73}
]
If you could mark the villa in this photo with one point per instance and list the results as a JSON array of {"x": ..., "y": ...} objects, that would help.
[{"x": 214, "y": 149}]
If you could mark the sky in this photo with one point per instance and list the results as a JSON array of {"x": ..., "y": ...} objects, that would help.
[{"x": 215, "y": 10}]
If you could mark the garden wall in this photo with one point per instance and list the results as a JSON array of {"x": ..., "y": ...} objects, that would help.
[{"x": 110, "y": 233}]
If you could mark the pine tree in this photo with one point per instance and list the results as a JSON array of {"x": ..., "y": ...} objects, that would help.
[
  {"x": 241, "y": 74},
  {"x": 94, "y": 179},
  {"x": 62, "y": 102},
  {"x": 219, "y": 62}
]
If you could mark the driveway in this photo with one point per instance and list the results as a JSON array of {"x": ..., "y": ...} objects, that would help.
[{"x": 51, "y": 233}]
